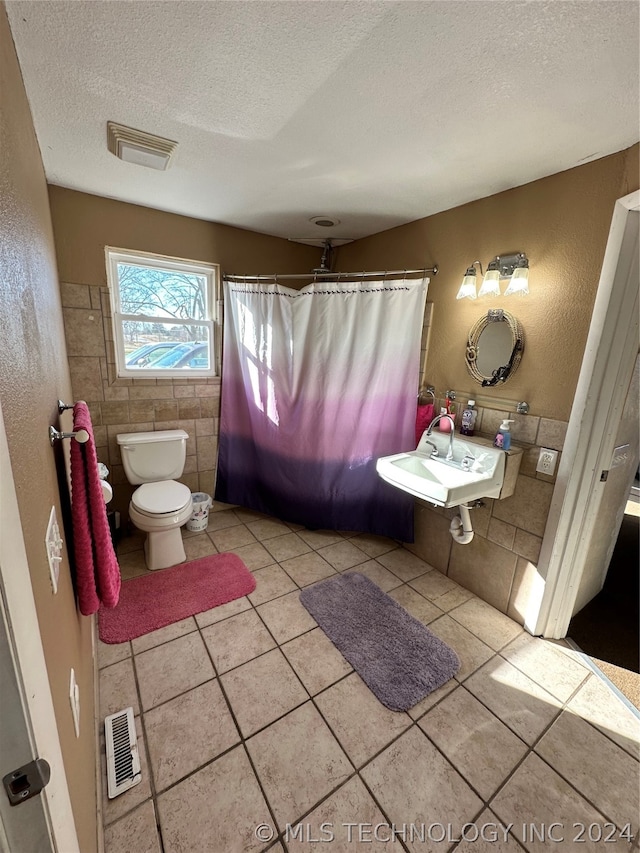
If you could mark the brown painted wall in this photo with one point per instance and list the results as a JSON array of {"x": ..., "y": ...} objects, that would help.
[
  {"x": 83, "y": 225},
  {"x": 33, "y": 374},
  {"x": 562, "y": 223}
]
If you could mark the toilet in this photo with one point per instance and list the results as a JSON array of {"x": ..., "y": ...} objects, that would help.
[{"x": 160, "y": 505}]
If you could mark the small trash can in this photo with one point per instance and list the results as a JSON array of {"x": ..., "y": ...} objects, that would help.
[{"x": 200, "y": 503}]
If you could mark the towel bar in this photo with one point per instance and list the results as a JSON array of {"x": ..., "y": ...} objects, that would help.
[
  {"x": 55, "y": 435},
  {"x": 62, "y": 407},
  {"x": 428, "y": 390}
]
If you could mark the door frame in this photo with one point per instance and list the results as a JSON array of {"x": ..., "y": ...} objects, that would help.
[
  {"x": 26, "y": 645},
  {"x": 607, "y": 368}
]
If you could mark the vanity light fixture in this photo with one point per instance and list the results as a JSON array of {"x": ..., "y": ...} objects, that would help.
[
  {"x": 515, "y": 267},
  {"x": 468, "y": 286}
]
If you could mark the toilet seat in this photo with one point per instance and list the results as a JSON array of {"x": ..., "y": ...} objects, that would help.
[{"x": 161, "y": 498}]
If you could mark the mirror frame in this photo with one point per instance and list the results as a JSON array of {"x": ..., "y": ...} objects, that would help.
[{"x": 502, "y": 372}]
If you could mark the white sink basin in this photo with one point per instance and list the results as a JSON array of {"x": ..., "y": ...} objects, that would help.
[{"x": 442, "y": 482}]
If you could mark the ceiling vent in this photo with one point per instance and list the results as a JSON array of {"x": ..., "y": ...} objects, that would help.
[{"x": 136, "y": 146}]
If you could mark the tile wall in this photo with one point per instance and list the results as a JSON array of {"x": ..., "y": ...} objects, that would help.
[
  {"x": 134, "y": 405},
  {"x": 499, "y": 565}
]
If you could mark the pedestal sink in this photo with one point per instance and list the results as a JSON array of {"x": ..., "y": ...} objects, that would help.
[{"x": 476, "y": 471}]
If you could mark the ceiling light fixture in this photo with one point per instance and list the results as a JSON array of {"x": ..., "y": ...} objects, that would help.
[
  {"x": 515, "y": 267},
  {"x": 324, "y": 221},
  {"x": 136, "y": 146}
]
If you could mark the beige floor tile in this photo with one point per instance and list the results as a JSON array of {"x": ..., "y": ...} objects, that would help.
[
  {"x": 488, "y": 834},
  {"x": 488, "y": 624},
  {"x": 404, "y": 564},
  {"x": 316, "y": 660},
  {"x": 320, "y": 538},
  {"x": 350, "y": 804},
  {"x": 474, "y": 740},
  {"x": 230, "y": 538},
  {"x": 380, "y": 576},
  {"x": 433, "y": 585},
  {"x": 237, "y": 640},
  {"x": 216, "y": 809},
  {"x": 220, "y": 520},
  {"x": 453, "y": 598},
  {"x": 123, "y": 803},
  {"x": 521, "y": 703},
  {"x": 163, "y": 635},
  {"x": 343, "y": 555},
  {"x": 432, "y": 699},
  {"x": 286, "y": 617},
  {"x": 308, "y": 568},
  {"x": 139, "y": 824},
  {"x": 109, "y": 653},
  {"x": 118, "y": 688},
  {"x": 132, "y": 565},
  {"x": 471, "y": 651},
  {"x": 360, "y": 722},
  {"x": 413, "y": 783},
  {"x": 254, "y": 556},
  {"x": 598, "y": 704},
  {"x": 168, "y": 670},
  {"x": 199, "y": 546},
  {"x": 373, "y": 545},
  {"x": 603, "y": 772},
  {"x": 133, "y": 542},
  {"x": 415, "y": 604},
  {"x": 271, "y": 582},
  {"x": 262, "y": 690},
  {"x": 535, "y": 794},
  {"x": 267, "y": 528},
  {"x": 546, "y": 664},
  {"x": 223, "y": 611},
  {"x": 246, "y": 515},
  {"x": 187, "y": 732},
  {"x": 299, "y": 762},
  {"x": 286, "y": 546}
]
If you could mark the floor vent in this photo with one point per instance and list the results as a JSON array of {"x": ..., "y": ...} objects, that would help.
[{"x": 123, "y": 761}]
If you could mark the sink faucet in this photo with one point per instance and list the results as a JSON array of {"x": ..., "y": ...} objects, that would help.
[{"x": 449, "y": 456}]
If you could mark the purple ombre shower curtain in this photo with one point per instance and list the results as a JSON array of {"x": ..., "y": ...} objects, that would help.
[{"x": 316, "y": 385}]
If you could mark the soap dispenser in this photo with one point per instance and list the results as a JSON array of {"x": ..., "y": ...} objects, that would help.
[
  {"x": 468, "y": 423},
  {"x": 503, "y": 436}
]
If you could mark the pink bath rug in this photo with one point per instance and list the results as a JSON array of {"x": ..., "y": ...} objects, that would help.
[{"x": 163, "y": 597}]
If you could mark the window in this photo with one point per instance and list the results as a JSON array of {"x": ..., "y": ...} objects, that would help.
[{"x": 163, "y": 313}]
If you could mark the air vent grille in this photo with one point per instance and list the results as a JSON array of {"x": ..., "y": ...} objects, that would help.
[{"x": 123, "y": 761}]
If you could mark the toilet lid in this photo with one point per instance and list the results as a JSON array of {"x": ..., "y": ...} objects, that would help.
[{"x": 158, "y": 498}]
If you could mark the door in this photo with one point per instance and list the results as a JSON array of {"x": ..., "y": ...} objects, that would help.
[
  {"x": 28, "y": 727},
  {"x": 596, "y": 416}
]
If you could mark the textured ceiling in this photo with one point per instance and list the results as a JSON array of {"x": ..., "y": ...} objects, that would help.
[{"x": 377, "y": 113}]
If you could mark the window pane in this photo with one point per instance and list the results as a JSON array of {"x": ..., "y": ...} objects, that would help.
[
  {"x": 162, "y": 293},
  {"x": 163, "y": 346}
]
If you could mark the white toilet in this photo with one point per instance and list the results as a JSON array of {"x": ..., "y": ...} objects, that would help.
[{"x": 160, "y": 506}]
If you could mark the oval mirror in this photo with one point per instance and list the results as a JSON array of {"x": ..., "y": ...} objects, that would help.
[{"x": 494, "y": 347}]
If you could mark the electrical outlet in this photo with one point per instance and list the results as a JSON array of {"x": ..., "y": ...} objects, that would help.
[
  {"x": 53, "y": 544},
  {"x": 74, "y": 699},
  {"x": 547, "y": 461}
]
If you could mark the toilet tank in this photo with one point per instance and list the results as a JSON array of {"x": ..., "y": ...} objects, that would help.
[{"x": 152, "y": 456}]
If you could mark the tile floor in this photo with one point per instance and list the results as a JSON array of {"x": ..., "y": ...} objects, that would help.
[{"x": 249, "y": 720}]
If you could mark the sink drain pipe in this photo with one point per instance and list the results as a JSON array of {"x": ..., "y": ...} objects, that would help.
[{"x": 461, "y": 528}]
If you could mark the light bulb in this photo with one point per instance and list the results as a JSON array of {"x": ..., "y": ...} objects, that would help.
[
  {"x": 519, "y": 282},
  {"x": 490, "y": 283}
]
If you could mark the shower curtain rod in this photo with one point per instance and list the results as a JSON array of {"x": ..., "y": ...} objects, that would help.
[{"x": 315, "y": 275}]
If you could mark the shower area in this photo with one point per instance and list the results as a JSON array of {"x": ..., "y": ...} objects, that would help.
[{"x": 317, "y": 383}]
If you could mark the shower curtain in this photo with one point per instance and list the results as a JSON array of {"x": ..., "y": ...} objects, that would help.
[{"x": 316, "y": 385}]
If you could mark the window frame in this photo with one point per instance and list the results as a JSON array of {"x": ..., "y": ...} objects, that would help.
[{"x": 211, "y": 272}]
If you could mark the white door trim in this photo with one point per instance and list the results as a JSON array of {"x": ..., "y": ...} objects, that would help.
[
  {"x": 30, "y": 662},
  {"x": 607, "y": 367}
]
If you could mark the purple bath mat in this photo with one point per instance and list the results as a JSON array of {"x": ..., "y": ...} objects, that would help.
[{"x": 398, "y": 657}]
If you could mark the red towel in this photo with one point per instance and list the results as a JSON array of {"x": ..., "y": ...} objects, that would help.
[
  {"x": 97, "y": 570},
  {"x": 424, "y": 416}
]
